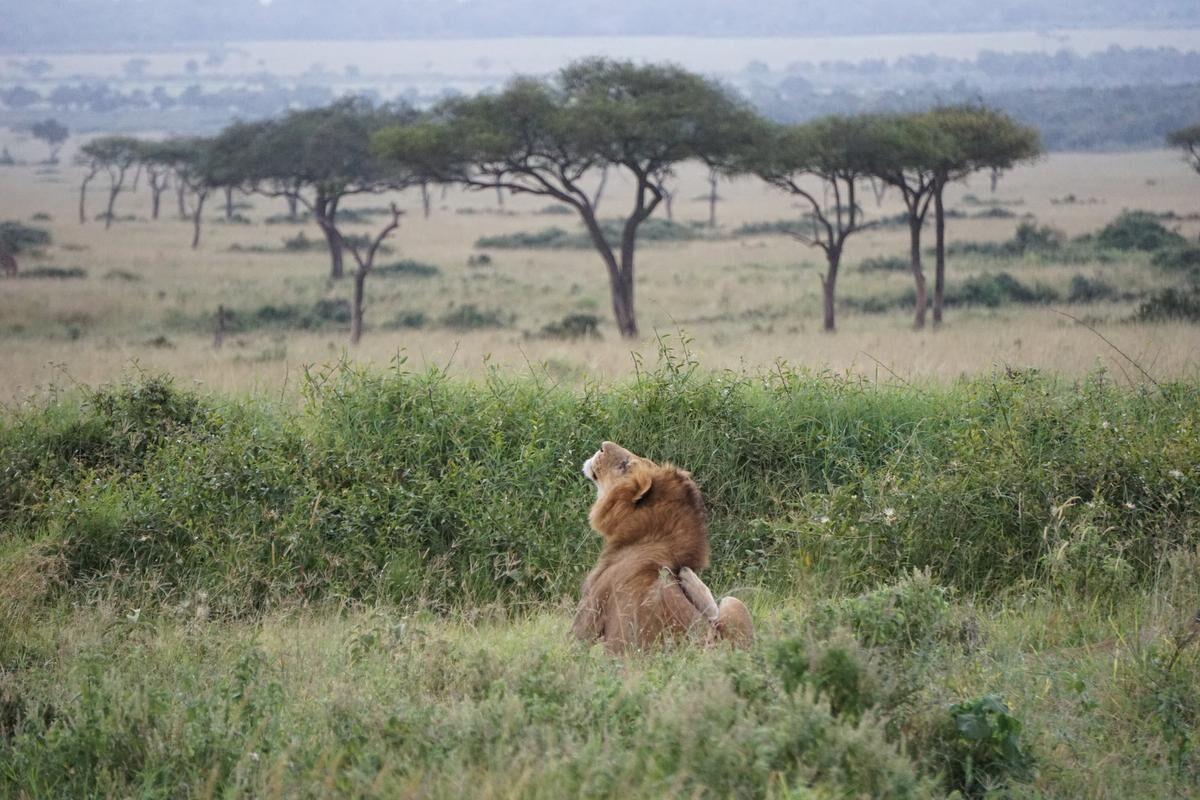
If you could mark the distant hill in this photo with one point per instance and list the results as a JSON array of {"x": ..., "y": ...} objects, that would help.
[{"x": 122, "y": 23}]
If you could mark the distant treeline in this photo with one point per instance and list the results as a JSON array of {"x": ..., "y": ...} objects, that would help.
[
  {"x": 1079, "y": 118},
  {"x": 1068, "y": 119},
  {"x": 106, "y": 23},
  {"x": 991, "y": 70}
]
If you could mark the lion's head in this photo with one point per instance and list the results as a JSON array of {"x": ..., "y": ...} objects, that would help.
[
  {"x": 612, "y": 465},
  {"x": 639, "y": 500}
]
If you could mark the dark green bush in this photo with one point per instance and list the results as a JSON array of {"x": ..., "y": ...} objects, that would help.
[
  {"x": 404, "y": 486},
  {"x": 408, "y": 268},
  {"x": 983, "y": 750},
  {"x": 53, "y": 273},
  {"x": 1137, "y": 230},
  {"x": 1171, "y": 304},
  {"x": 572, "y": 326},
  {"x": 884, "y": 264},
  {"x": 17, "y": 237},
  {"x": 1091, "y": 290},
  {"x": 469, "y": 317},
  {"x": 554, "y": 238}
]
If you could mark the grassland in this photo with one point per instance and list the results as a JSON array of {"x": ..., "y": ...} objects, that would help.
[
  {"x": 285, "y": 568},
  {"x": 369, "y": 595},
  {"x": 746, "y": 301}
]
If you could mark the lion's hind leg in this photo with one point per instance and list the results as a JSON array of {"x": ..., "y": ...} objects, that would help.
[
  {"x": 730, "y": 619},
  {"x": 699, "y": 594}
]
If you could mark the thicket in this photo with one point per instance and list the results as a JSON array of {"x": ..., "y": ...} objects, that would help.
[{"x": 407, "y": 487}]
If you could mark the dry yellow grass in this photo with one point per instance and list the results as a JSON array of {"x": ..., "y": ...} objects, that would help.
[{"x": 746, "y": 302}]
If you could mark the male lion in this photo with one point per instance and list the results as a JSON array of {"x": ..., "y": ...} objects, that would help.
[{"x": 644, "y": 588}]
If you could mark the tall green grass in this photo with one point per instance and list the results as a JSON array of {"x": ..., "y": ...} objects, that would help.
[{"x": 413, "y": 487}]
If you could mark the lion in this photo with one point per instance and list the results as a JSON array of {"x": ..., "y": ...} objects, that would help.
[{"x": 644, "y": 589}]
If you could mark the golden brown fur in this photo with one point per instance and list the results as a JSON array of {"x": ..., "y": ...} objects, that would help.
[{"x": 644, "y": 588}]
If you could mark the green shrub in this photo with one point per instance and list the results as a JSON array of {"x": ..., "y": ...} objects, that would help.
[
  {"x": 554, "y": 238},
  {"x": 1137, "y": 230},
  {"x": 900, "y": 616},
  {"x": 1029, "y": 238},
  {"x": 983, "y": 750},
  {"x": 17, "y": 237},
  {"x": 123, "y": 275},
  {"x": 400, "y": 486},
  {"x": 785, "y": 227},
  {"x": 884, "y": 264},
  {"x": 1091, "y": 290},
  {"x": 469, "y": 317},
  {"x": 572, "y": 326},
  {"x": 997, "y": 289},
  {"x": 1184, "y": 258},
  {"x": 53, "y": 273},
  {"x": 408, "y": 268},
  {"x": 408, "y": 319},
  {"x": 1171, "y": 304}
]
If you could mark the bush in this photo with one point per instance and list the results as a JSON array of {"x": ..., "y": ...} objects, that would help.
[
  {"x": 982, "y": 745},
  {"x": 53, "y": 273},
  {"x": 769, "y": 228},
  {"x": 1169, "y": 305},
  {"x": 122, "y": 275},
  {"x": 300, "y": 243},
  {"x": 403, "y": 486},
  {"x": 17, "y": 237},
  {"x": 572, "y": 326},
  {"x": 555, "y": 210},
  {"x": 407, "y": 319},
  {"x": 1029, "y": 238},
  {"x": 901, "y": 616},
  {"x": 884, "y": 264},
  {"x": 1183, "y": 258},
  {"x": 996, "y": 290},
  {"x": 1091, "y": 290},
  {"x": 554, "y": 238},
  {"x": 468, "y": 317},
  {"x": 408, "y": 268},
  {"x": 1138, "y": 230}
]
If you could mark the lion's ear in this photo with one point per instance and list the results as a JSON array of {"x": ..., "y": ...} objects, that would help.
[{"x": 643, "y": 483}]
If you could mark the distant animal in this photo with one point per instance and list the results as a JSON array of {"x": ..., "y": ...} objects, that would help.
[
  {"x": 644, "y": 590},
  {"x": 8, "y": 262}
]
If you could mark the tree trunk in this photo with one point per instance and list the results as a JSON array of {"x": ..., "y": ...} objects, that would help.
[
  {"x": 356, "y": 306},
  {"x": 291, "y": 204},
  {"x": 425, "y": 205},
  {"x": 995, "y": 179},
  {"x": 325, "y": 211},
  {"x": 198, "y": 217},
  {"x": 112, "y": 201},
  {"x": 712, "y": 199},
  {"x": 156, "y": 190},
  {"x": 83, "y": 199},
  {"x": 829, "y": 287},
  {"x": 939, "y": 270},
  {"x": 669, "y": 202},
  {"x": 180, "y": 194},
  {"x": 623, "y": 297},
  {"x": 228, "y": 203},
  {"x": 914, "y": 232},
  {"x": 499, "y": 197}
]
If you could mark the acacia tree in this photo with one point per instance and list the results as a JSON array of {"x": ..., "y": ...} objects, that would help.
[
  {"x": 903, "y": 153},
  {"x": 53, "y": 133},
  {"x": 315, "y": 158},
  {"x": 114, "y": 155},
  {"x": 545, "y": 137},
  {"x": 969, "y": 139},
  {"x": 1188, "y": 140},
  {"x": 159, "y": 161},
  {"x": 835, "y": 153}
]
